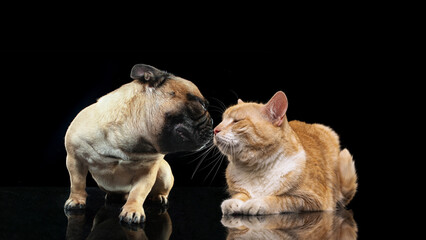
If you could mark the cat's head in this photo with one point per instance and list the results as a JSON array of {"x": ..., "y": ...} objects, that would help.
[{"x": 248, "y": 129}]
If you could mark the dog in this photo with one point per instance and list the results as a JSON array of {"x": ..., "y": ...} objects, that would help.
[{"x": 123, "y": 137}]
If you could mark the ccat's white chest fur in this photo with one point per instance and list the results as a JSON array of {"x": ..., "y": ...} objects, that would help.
[{"x": 269, "y": 180}]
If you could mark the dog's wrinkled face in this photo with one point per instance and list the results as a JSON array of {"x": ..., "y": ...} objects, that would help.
[
  {"x": 183, "y": 121},
  {"x": 188, "y": 127}
]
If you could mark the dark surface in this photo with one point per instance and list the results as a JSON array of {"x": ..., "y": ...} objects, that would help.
[
  {"x": 37, "y": 213},
  {"x": 194, "y": 213}
]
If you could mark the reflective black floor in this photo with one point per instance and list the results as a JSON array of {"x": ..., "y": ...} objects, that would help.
[{"x": 194, "y": 213}]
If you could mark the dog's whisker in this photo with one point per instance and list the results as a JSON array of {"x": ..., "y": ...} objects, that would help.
[
  {"x": 215, "y": 108},
  {"x": 221, "y": 104}
]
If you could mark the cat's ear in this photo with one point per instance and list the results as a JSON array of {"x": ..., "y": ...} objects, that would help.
[
  {"x": 276, "y": 108},
  {"x": 240, "y": 101}
]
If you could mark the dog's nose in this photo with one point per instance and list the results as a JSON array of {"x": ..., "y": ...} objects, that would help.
[{"x": 216, "y": 130}]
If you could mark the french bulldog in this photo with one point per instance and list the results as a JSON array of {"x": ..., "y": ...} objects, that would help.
[{"x": 123, "y": 137}]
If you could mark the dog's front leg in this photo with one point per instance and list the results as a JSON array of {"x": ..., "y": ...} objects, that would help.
[{"x": 133, "y": 210}]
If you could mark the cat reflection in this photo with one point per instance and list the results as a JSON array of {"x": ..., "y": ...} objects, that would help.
[
  {"x": 311, "y": 225},
  {"x": 106, "y": 225}
]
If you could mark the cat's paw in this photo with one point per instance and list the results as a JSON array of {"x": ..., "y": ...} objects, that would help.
[
  {"x": 231, "y": 206},
  {"x": 232, "y": 221},
  {"x": 254, "y": 207}
]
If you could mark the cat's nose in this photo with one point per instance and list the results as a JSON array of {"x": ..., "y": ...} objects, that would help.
[{"x": 216, "y": 130}]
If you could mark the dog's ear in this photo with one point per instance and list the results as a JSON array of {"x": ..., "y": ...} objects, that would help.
[{"x": 149, "y": 74}]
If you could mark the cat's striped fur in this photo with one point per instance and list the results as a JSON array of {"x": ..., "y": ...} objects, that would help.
[{"x": 279, "y": 166}]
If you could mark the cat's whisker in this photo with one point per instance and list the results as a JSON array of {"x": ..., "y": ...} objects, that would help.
[
  {"x": 202, "y": 151},
  {"x": 217, "y": 170},
  {"x": 235, "y": 94},
  {"x": 226, "y": 147},
  {"x": 201, "y": 161},
  {"x": 232, "y": 150},
  {"x": 191, "y": 153},
  {"x": 216, "y": 158},
  {"x": 211, "y": 162},
  {"x": 206, "y": 150},
  {"x": 208, "y": 174},
  {"x": 202, "y": 158}
]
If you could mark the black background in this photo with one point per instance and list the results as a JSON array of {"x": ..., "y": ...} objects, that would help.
[{"x": 338, "y": 86}]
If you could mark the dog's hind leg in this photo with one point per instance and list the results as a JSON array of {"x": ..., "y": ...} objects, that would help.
[{"x": 78, "y": 172}]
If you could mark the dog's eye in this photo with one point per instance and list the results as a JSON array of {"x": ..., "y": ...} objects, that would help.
[
  {"x": 204, "y": 105},
  {"x": 238, "y": 120}
]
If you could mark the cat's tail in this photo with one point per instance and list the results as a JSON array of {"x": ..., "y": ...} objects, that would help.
[{"x": 348, "y": 177}]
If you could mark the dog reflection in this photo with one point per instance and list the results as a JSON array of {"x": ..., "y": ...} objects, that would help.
[
  {"x": 106, "y": 225},
  {"x": 313, "y": 225}
]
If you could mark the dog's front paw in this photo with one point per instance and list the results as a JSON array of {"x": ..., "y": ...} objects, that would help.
[
  {"x": 231, "y": 206},
  {"x": 254, "y": 207},
  {"x": 132, "y": 214},
  {"x": 75, "y": 202}
]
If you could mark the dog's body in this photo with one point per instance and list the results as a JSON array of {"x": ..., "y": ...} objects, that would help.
[{"x": 122, "y": 139}]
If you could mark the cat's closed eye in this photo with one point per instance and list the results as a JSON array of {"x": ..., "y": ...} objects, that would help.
[{"x": 238, "y": 120}]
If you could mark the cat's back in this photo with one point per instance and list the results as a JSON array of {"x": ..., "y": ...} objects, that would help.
[
  {"x": 317, "y": 139},
  {"x": 322, "y": 148}
]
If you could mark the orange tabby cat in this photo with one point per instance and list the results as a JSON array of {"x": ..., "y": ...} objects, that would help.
[{"x": 279, "y": 166}]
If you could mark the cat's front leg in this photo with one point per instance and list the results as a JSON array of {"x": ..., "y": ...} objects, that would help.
[
  {"x": 279, "y": 204},
  {"x": 261, "y": 206},
  {"x": 256, "y": 206}
]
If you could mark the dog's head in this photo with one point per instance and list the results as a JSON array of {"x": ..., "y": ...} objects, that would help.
[{"x": 179, "y": 117}]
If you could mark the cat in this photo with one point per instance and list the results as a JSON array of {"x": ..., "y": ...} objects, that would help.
[{"x": 277, "y": 166}]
